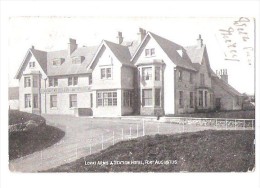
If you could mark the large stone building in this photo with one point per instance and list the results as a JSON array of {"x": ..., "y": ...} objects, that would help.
[{"x": 149, "y": 76}]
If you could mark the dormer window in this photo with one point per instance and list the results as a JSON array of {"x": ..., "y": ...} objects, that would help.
[
  {"x": 149, "y": 52},
  {"x": 56, "y": 62},
  {"x": 53, "y": 82},
  {"x": 76, "y": 60},
  {"x": 32, "y": 64}
]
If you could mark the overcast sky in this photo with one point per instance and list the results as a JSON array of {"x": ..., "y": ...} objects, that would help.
[{"x": 221, "y": 36}]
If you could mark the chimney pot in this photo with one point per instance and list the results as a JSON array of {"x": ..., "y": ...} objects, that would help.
[
  {"x": 200, "y": 41},
  {"x": 120, "y": 37},
  {"x": 72, "y": 46},
  {"x": 141, "y": 34},
  {"x": 32, "y": 47}
]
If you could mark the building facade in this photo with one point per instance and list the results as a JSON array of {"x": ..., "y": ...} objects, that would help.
[{"x": 149, "y": 76}]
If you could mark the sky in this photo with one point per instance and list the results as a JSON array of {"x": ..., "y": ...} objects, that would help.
[{"x": 229, "y": 41}]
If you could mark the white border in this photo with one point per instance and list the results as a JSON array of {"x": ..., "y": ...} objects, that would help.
[{"x": 117, "y": 9}]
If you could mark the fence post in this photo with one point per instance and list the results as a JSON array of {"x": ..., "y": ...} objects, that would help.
[
  {"x": 143, "y": 128},
  {"x": 130, "y": 130},
  {"x": 137, "y": 130},
  {"x": 113, "y": 138},
  {"x": 252, "y": 124},
  {"x": 183, "y": 128},
  {"x": 226, "y": 123},
  {"x": 244, "y": 124},
  {"x": 235, "y": 124},
  {"x": 216, "y": 122},
  {"x": 102, "y": 142}
]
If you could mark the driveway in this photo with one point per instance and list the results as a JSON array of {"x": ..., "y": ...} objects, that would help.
[{"x": 85, "y": 135}]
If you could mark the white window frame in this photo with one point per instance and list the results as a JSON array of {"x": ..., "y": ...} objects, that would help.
[
  {"x": 27, "y": 101},
  {"x": 149, "y": 98},
  {"x": 106, "y": 98}
]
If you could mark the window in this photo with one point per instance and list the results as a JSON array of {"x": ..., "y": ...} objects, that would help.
[
  {"x": 76, "y": 60},
  {"x": 202, "y": 79},
  {"x": 90, "y": 80},
  {"x": 108, "y": 70},
  {"x": 35, "y": 101},
  {"x": 149, "y": 52},
  {"x": 147, "y": 97},
  {"x": 27, "y": 82},
  {"x": 53, "y": 101},
  {"x": 127, "y": 98},
  {"x": 180, "y": 75},
  {"x": 31, "y": 64},
  {"x": 73, "y": 100},
  {"x": 237, "y": 100},
  {"x": 157, "y": 97},
  {"x": 56, "y": 62},
  {"x": 191, "y": 77},
  {"x": 200, "y": 98},
  {"x": 35, "y": 81},
  {"x": 191, "y": 100},
  {"x": 107, "y": 98},
  {"x": 206, "y": 98},
  {"x": 53, "y": 82},
  {"x": 157, "y": 73},
  {"x": 152, "y": 52},
  {"x": 75, "y": 81},
  {"x": 72, "y": 81},
  {"x": 147, "y": 73},
  {"x": 27, "y": 100},
  {"x": 181, "y": 99},
  {"x": 105, "y": 73}
]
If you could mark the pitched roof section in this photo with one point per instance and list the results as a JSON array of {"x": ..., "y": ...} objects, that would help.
[
  {"x": 121, "y": 52},
  {"x": 41, "y": 57},
  {"x": 195, "y": 54},
  {"x": 13, "y": 93},
  {"x": 66, "y": 67},
  {"x": 226, "y": 86},
  {"x": 132, "y": 46},
  {"x": 170, "y": 48}
]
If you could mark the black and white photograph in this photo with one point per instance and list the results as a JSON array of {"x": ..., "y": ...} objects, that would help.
[{"x": 90, "y": 94}]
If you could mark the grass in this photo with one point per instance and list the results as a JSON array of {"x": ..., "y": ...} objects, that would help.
[
  {"x": 22, "y": 143},
  {"x": 205, "y": 151},
  {"x": 238, "y": 114},
  {"x": 16, "y": 117}
]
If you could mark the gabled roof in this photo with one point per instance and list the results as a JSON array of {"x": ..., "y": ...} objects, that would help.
[
  {"x": 13, "y": 93},
  {"x": 66, "y": 67},
  {"x": 226, "y": 86},
  {"x": 40, "y": 56},
  {"x": 170, "y": 48},
  {"x": 121, "y": 52}
]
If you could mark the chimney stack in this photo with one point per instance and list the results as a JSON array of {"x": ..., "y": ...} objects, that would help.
[
  {"x": 199, "y": 41},
  {"x": 72, "y": 46},
  {"x": 141, "y": 34},
  {"x": 32, "y": 47},
  {"x": 222, "y": 73},
  {"x": 119, "y": 37}
]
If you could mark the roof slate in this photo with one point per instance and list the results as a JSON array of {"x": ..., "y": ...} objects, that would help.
[
  {"x": 170, "y": 48},
  {"x": 67, "y": 68},
  {"x": 121, "y": 52}
]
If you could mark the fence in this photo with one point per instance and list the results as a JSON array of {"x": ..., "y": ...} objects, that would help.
[{"x": 167, "y": 126}]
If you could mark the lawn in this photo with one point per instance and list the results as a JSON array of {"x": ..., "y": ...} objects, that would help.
[
  {"x": 22, "y": 143},
  {"x": 205, "y": 151},
  {"x": 237, "y": 114}
]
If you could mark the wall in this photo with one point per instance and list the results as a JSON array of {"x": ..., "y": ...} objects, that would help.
[
  {"x": 186, "y": 86},
  {"x": 227, "y": 100}
]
